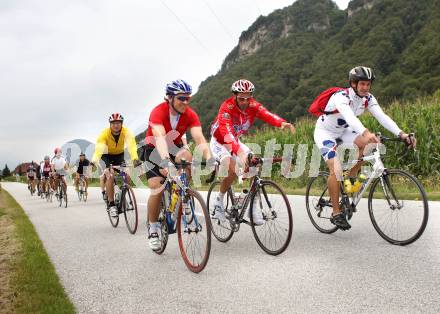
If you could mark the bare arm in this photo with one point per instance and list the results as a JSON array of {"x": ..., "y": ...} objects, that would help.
[
  {"x": 159, "y": 134},
  {"x": 197, "y": 134}
]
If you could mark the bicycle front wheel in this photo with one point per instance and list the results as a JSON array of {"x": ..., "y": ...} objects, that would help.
[
  {"x": 114, "y": 221},
  {"x": 65, "y": 196},
  {"x": 220, "y": 229},
  {"x": 194, "y": 231},
  {"x": 398, "y": 207},
  {"x": 275, "y": 234},
  {"x": 318, "y": 203},
  {"x": 129, "y": 206}
]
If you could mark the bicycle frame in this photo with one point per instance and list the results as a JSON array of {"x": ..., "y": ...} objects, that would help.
[
  {"x": 378, "y": 169},
  {"x": 182, "y": 184},
  {"x": 122, "y": 174},
  {"x": 256, "y": 181}
]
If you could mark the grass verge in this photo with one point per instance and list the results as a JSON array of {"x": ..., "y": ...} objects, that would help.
[{"x": 30, "y": 284}]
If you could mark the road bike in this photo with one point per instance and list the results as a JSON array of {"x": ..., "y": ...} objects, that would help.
[
  {"x": 275, "y": 234},
  {"x": 183, "y": 210},
  {"x": 397, "y": 201},
  {"x": 125, "y": 201}
]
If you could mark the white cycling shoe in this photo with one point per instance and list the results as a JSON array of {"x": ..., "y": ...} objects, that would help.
[
  {"x": 219, "y": 210},
  {"x": 113, "y": 211}
]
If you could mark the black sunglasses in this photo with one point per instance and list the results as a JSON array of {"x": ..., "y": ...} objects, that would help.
[
  {"x": 243, "y": 98},
  {"x": 183, "y": 98}
]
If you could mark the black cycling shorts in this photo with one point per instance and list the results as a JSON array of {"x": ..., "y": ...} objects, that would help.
[
  {"x": 115, "y": 160},
  {"x": 152, "y": 161}
]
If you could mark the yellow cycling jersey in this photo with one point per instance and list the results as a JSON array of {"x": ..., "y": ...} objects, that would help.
[{"x": 106, "y": 144}]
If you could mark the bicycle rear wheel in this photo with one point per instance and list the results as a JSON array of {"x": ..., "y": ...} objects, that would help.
[
  {"x": 163, "y": 224},
  {"x": 194, "y": 232},
  {"x": 220, "y": 229},
  {"x": 65, "y": 195},
  {"x": 60, "y": 195},
  {"x": 318, "y": 203},
  {"x": 398, "y": 207},
  {"x": 129, "y": 206},
  {"x": 275, "y": 234}
]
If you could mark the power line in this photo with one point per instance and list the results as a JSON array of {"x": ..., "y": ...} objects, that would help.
[
  {"x": 186, "y": 27},
  {"x": 218, "y": 19}
]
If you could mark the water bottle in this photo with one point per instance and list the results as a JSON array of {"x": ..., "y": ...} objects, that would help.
[
  {"x": 348, "y": 187},
  {"x": 241, "y": 197},
  {"x": 174, "y": 198},
  {"x": 358, "y": 183},
  {"x": 117, "y": 194}
]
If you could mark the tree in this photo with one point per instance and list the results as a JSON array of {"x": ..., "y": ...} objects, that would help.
[{"x": 6, "y": 171}]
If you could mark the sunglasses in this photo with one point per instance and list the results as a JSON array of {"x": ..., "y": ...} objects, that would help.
[
  {"x": 244, "y": 98},
  {"x": 183, "y": 98}
]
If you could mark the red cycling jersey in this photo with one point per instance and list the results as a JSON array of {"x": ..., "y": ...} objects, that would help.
[
  {"x": 231, "y": 122},
  {"x": 161, "y": 116}
]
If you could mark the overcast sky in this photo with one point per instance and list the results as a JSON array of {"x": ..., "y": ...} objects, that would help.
[{"x": 66, "y": 65}]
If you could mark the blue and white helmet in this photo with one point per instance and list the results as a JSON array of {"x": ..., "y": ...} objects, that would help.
[{"x": 178, "y": 87}]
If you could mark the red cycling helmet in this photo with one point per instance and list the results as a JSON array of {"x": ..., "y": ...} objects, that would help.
[{"x": 115, "y": 117}]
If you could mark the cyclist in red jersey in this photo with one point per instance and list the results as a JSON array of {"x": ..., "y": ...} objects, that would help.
[
  {"x": 168, "y": 122},
  {"x": 235, "y": 117}
]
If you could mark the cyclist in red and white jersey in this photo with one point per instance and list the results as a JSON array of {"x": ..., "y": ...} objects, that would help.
[
  {"x": 167, "y": 124},
  {"x": 235, "y": 117}
]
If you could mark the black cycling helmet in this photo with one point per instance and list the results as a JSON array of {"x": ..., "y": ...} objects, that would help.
[
  {"x": 82, "y": 154},
  {"x": 361, "y": 73}
]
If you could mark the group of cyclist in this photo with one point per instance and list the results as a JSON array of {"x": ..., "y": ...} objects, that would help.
[
  {"x": 47, "y": 173},
  {"x": 165, "y": 141}
]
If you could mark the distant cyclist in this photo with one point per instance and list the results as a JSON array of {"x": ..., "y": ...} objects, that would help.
[
  {"x": 339, "y": 124},
  {"x": 59, "y": 168},
  {"x": 31, "y": 174},
  {"x": 81, "y": 170},
  {"x": 235, "y": 117},
  {"x": 45, "y": 169},
  {"x": 109, "y": 148}
]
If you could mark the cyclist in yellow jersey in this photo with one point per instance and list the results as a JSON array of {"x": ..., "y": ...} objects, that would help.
[{"x": 109, "y": 148}]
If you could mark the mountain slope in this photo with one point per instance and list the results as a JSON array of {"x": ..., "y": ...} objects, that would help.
[{"x": 294, "y": 53}]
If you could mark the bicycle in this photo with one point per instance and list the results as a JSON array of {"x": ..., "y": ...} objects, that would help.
[
  {"x": 61, "y": 189},
  {"x": 391, "y": 192},
  {"x": 125, "y": 201},
  {"x": 48, "y": 192},
  {"x": 188, "y": 217},
  {"x": 275, "y": 234},
  {"x": 82, "y": 193},
  {"x": 31, "y": 187}
]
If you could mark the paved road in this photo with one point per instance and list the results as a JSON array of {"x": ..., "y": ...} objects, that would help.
[{"x": 107, "y": 270}]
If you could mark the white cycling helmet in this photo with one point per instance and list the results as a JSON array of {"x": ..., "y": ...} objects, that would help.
[{"x": 242, "y": 86}]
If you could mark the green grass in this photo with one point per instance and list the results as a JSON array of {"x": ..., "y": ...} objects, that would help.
[{"x": 36, "y": 285}]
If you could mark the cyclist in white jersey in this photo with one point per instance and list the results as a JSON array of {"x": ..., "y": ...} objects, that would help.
[
  {"x": 340, "y": 125},
  {"x": 59, "y": 167}
]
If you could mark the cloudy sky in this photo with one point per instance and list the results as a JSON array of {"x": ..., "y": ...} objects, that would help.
[{"x": 66, "y": 65}]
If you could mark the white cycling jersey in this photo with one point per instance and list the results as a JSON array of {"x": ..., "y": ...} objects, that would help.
[
  {"x": 350, "y": 106},
  {"x": 59, "y": 163}
]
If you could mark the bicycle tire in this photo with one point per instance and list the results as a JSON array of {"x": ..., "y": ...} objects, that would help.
[
  {"x": 272, "y": 218},
  {"x": 324, "y": 225},
  {"x": 222, "y": 231},
  {"x": 201, "y": 216},
  {"x": 130, "y": 210},
  {"x": 375, "y": 219},
  {"x": 163, "y": 226}
]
